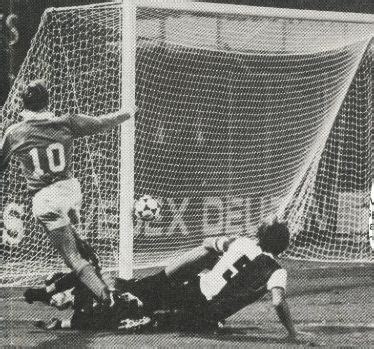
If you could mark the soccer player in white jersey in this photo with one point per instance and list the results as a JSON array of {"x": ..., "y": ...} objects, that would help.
[
  {"x": 217, "y": 279},
  {"x": 44, "y": 145}
]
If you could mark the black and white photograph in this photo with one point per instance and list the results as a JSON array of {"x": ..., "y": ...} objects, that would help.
[{"x": 186, "y": 174}]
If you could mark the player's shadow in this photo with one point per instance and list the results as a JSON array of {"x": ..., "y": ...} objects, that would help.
[
  {"x": 66, "y": 338},
  {"x": 248, "y": 334},
  {"x": 86, "y": 339}
]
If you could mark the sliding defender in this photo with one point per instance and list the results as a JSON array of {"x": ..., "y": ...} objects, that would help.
[{"x": 217, "y": 279}]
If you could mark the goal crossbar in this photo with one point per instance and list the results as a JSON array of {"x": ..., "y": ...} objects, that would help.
[
  {"x": 256, "y": 11},
  {"x": 245, "y": 10}
]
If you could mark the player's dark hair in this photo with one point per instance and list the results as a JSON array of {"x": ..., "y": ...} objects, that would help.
[
  {"x": 35, "y": 95},
  {"x": 273, "y": 237}
]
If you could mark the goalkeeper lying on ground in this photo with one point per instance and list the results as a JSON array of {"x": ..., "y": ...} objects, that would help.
[{"x": 199, "y": 290}]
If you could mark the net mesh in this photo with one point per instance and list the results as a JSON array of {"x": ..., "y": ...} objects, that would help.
[{"x": 240, "y": 117}]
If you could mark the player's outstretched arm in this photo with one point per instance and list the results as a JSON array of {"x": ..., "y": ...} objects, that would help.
[
  {"x": 84, "y": 125},
  {"x": 114, "y": 119},
  {"x": 283, "y": 311}
]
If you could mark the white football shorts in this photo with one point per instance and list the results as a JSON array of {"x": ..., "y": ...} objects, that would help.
[{"x": 58, "y": 205}]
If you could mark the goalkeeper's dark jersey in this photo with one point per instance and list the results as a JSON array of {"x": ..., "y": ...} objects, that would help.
[
  {"x": 44, "y": 146},
  {"x": 242, "y": 276}
]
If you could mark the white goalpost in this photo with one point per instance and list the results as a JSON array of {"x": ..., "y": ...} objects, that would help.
[
  {"x": 243, "y": 112},
  {"x": 127, "y": 164}
]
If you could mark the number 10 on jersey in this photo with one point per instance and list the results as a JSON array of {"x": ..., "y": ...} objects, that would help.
[{"x": 55, "y": 154}]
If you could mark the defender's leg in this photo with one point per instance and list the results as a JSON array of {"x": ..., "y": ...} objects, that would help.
[{"x": 196, "y": 260}]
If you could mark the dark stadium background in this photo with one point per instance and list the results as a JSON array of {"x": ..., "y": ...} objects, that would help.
[{"x": 30, "y": 11}]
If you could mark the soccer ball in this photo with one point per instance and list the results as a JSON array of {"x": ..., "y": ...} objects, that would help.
[{"x": 147, "y": 208}]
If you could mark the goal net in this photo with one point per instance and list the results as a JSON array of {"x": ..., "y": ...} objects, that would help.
[{"x": 241, "y": 116}]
